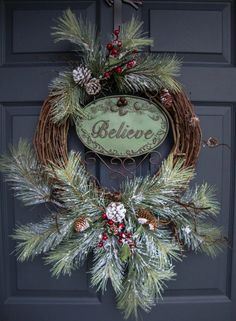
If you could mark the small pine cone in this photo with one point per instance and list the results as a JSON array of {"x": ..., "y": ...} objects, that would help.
[
  {"x": 81, "y": 224},
  {"x": 166, "y": 98},
  {"x": 81, "y": 75},
  {"x": 212, "y": 142},
  {"x": 114, "y": 229},
  {"x": 93, "y": 87},
  {"x": 114, "y": 197},
  {"x": 147, "y": 218}
]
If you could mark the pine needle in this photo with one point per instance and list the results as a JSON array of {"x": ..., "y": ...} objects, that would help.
[
  {"x": 133, "y": 36},
  {"x": 72, "y": 254},
  {"x": 203, "y": 197},
  {"x": 23, "y": 172},
  {"x": 107, "y": 265},
  {"x": 75, "y": 187},
  {"x": 158, "y": 190},
  {"x": 66, "y": 98},
  {"x": 78, "y": 31},
  {"x": 152, "y": 73},
  {"x": 37, "y": 238}
]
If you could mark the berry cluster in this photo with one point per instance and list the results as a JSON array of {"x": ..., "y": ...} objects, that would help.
[
  {"x": 118, "y": 229},
  {"x": 114, "y": 46},
  {"x": 114, "y": 49}
]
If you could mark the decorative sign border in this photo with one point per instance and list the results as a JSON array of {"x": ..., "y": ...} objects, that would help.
[{"x": 121, "y": 107}]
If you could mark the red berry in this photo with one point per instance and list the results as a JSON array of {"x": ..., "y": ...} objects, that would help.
[
  {"x": 119, "y": 43},
  {"x": 119, "y": 70},
  {"x": 104, "y": 237},
  {"x": 116, "y": 32},
  {"x": 107, "y": 74},
  {"x": 114, "y": 52},
  {"x": 100, "y": 244},
  {"x": 104, "y": 216},
  {"x": 129, "y": 235},
  {"x": 121, "y": 226},
  {"x": 131, "y": 64},
  {"x": 120, "y": 241},
  {"x": 122, "y": 235},
  {"x": 110, "y": 222},
  {"x": 109, "y": 46}
]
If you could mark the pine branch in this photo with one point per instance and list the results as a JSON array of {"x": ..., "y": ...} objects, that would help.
[
  {"x": 23, "y": 172},
  {"x": 149, "y": 268},
  {"x": 37, "y": 238},
  {"x": 72, "y": 254},
  {"x": 66, "y": 98},
  {"x": 78, "y": 31},
  {"x": 213, "y": 240},
  {"x": 152, "y": 73},
  {"x": 134, "y": 296},
  {"x": 201, "y": 200},
  {"x": 75, "y": 187},
  {"x": 161, "y": 68},
  {"x": 132, "y": 35},
  {"x": 159, "y": 190},
  {"x": 143, "y": 285},
  {"x": 107, "y": 265},
  {"x": 134, "y": 83},
  {"x": 202, "y": 237}
]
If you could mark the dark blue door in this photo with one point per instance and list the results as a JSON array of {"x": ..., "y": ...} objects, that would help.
[{"x": 202, "y": 32}]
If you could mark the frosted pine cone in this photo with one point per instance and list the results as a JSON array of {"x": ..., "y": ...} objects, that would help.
[
  {"x": 116, "y": 211},
  {"x": 166, "y": 98},
  {"x": 93, "y": 87},
  {"x": 81, "y": 75},
  {"x": 81, "y": 224}
]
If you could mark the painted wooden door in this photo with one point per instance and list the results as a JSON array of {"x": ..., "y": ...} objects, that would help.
[{"x": 202, "y": 33}]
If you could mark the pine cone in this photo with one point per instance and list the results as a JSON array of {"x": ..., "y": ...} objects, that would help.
[
  {"x": 93, "y": 87},
  {"x": 147, "y": 218},
  {"x": 166, "y": 98},
  {"x": 212, "y": 142},
  {"x": 81, "y": 224},
  {"x": 81, "y": 75},
  {"x": 114, "y": 197},
  {"x": 116, "y": 211}
]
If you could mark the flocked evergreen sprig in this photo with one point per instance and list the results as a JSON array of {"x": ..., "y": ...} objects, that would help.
[
  {"x": 120, "y": 67},
  {"x": 135, "y": 239}
]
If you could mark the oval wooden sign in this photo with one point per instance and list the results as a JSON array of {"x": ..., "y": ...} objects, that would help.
[{"x": 122, "y": 126}]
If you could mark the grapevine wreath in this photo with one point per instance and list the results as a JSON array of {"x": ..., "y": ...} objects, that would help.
[{"x": 137, "y": 232}]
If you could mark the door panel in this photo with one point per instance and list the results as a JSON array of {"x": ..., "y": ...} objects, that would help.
[{"x": 202, "y": 33}]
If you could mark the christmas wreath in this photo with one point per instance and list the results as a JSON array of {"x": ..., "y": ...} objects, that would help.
[{"x": 136, "y": 233}]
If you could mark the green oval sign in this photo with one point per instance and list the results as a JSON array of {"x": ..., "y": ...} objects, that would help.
[{"x": 122, "y": 126}]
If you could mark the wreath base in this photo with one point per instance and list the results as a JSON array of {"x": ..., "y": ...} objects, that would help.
[{"x": 51, "y": 139}]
